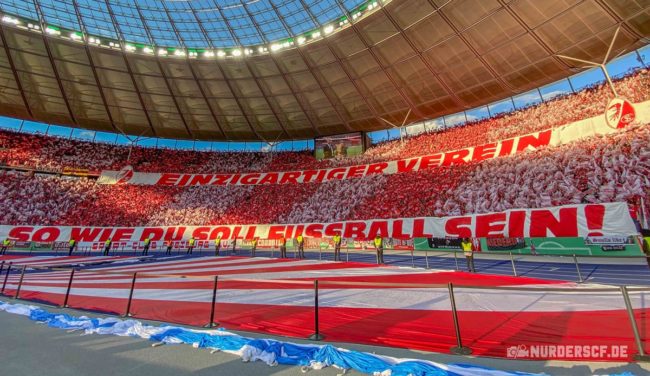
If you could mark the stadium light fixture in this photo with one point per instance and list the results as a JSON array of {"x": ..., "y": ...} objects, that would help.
[
  {"x": 52, "y": 31},
  {"x": 10, "y": 20},
  {"x": 312, "y": 35}
]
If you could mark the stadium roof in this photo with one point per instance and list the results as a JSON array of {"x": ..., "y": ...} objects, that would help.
[{"x": 289, "y": 69}]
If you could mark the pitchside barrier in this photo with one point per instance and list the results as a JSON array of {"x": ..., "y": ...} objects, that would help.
[
  {"x": 357, "y": 248},
  {"x": 607, "y": 246},
  {"x": 452, "y": 335}
]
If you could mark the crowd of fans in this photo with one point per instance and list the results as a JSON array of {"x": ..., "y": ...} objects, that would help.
[
  {"x": 599, "y": 169},
  {"x": 56, "y": 154}
]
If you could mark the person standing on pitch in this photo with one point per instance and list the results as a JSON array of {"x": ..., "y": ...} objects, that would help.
[
  {"x": 217, "y": 245},
  {"x": 283, "y": 247},
  {"x": 190, "y": 245},
  {"x": 234, "y": 246},
  {"x": 379, "y": 245},
  {"x": 253, "y": 246},
  {"x": 169, "y": 245},
  {"x": 337, "y": 247},
  {"x": 468, "y": 250},
  {"x": 5, "y": 246},
  {"x": 107, "y": 246},
  {"x": 301, "y": 246},
  {"x": 147, "y": 244},
  {"x": 73, "y": 245}
]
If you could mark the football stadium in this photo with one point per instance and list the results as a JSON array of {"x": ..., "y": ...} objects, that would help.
[{"x": 363, "y": 187}]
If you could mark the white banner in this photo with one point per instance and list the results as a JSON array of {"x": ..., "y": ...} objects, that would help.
[
  {"x": 551, "y": 137},
  {"x": 562, "y": 221}
]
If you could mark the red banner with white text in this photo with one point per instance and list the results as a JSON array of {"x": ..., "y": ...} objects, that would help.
[
  {"x": 562, "y": 221},
  {"x": 531, "y": 142}
]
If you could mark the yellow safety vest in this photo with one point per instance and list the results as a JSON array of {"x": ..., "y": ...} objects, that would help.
[
  {"x": 6, "y": 242},
  {"x": 337, "y": 239},
  {"x": 107, "y": 242},
  {"x": 299, "y": 238},
  {"x": 217, "y": 242},
  {"x": 378, "y": 242},
  {"x": 72, "y": 241},
  {"x": 191, "y": 242},
  {"x": 467, "y": 248}
]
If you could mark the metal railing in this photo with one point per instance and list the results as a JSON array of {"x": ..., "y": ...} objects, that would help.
[{"x": 460, "y": 348}]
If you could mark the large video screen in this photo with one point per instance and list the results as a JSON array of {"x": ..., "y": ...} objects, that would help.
[{"x": 338, "y": 146}]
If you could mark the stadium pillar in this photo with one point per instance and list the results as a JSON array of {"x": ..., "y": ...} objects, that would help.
[
  {"x": 459, "y": 349},
  {"x": 67, "y": 291},
  {"x": 635, "y": 329},
  {"x": 316, "y": 336},
  {"x": 211, "y": 323},
  {"x": 20, "y": 282},
  {"x": 127, "y": 313}
]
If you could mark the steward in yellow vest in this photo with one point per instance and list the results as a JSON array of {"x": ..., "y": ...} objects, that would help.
[
  {"x": 337, "y": 247},
  {"x": 468, "y": 250},
  {"x": 301, "y": 246},
  {"x": 379, "y": 246}
]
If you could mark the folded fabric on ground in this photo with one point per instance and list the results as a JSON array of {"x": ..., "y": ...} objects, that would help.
[{"x": 269, "y": 351}]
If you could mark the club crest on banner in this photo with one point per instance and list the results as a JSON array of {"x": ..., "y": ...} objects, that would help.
[
  {"x": 124, "y": 175},
  {"x": 620, "y": 113}
]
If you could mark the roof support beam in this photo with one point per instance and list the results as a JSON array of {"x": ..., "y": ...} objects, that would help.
[
  {"x": 425, "y": 61},
  {"x": 196, "y": 79},
  {"x": 128, "y": 67},
  {"x": 462, "y": 37},
  {"x": 46, "y": 43},
  {"x": 255, "y": 79},
  {"x": 277, "y": 65},
  {"x": 92, "y": 66},
  {"x": 354, "y": 83},
  {"x": 10, "y": 59},
  {"x": 171, "y": 93},
  {"x": 372, "y": 53},
  {"x": 241, "y": 108}
]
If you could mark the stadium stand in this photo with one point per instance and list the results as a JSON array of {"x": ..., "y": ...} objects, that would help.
[
  {"x": 55, "y": 154},
  {"x": 605, "y": 169}
]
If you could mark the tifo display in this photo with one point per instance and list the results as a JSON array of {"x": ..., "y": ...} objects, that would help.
[{"x": 611, "y": 167}]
